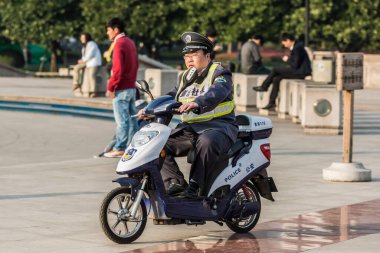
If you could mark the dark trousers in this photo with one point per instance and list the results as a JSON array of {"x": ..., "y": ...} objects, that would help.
[
  {"x": 208, "y": 146},
  {"x": 275, "y": 77}
]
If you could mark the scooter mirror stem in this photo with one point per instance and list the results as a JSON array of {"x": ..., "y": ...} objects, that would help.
[
  {"x": 150, "y": 94},
  {"x": 144, "y": 86}
]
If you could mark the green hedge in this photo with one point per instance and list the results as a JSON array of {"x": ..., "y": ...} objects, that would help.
[{"x": 12, "y": 57}]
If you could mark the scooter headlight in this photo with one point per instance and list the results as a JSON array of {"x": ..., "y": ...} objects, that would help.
[{"x": 143, "y": 137}]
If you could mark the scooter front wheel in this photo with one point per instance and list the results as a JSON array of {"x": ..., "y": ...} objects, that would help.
[
  {"x": 115, "y": 217},
  {"x": 247, "y": 193}
]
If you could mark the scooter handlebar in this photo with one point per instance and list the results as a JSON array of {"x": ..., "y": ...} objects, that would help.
[
  {"x": 176, "y": 111},
  {"x": 174, "y": 108}
]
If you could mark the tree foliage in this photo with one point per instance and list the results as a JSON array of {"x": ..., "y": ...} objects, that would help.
[
  {"x": 148, "y": 22},
  {"x": 346, "y": 25},
  {"x": 236, "y": 19},
  {"x": 349, "y": 25},
  {"x": 39, "y": 21}
]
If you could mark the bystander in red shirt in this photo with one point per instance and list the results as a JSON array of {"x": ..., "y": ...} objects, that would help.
[{"x": 125, "y": 64}]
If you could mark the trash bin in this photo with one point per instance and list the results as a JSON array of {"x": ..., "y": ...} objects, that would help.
[{"x": 323, "y": 67}]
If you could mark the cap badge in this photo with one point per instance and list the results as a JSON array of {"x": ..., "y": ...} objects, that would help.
[{"x": 188, "y": 38}]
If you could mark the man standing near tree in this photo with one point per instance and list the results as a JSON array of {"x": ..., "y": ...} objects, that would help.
[{"x": 121, "y": 85}]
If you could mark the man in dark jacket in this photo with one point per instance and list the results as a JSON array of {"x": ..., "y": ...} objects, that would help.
[{"x": 299, "y": 68}]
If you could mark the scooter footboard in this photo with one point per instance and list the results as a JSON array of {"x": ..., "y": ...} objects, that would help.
[
  {"x": 265, "y": 186},
  {"x": 190, "y": 209}
]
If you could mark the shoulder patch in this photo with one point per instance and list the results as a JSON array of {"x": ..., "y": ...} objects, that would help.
[{"x": 220, "y": 79}]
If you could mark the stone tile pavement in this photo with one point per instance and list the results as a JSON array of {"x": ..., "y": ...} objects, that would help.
[{"x": 51, "y": 187}]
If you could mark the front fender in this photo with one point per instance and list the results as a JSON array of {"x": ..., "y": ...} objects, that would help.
[
  {"x": 127, "y": 181},
  {"x": 130, "y": 183}
]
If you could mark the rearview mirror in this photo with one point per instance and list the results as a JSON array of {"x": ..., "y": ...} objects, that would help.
[{"x": 144, "y": 87}]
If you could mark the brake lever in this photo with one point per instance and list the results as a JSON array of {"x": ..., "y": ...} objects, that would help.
[{"x": 176, "y": 111}]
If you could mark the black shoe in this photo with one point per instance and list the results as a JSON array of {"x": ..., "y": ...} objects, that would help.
[
  {"x": 191, "y": 191},
  {"x": 259, "y": 88},
  {"x": 176, "y": 189},
  {"x": 269, "y": 106}
]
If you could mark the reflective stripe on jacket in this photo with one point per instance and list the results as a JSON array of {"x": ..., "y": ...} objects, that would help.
[{"x": 194, "y": 90}]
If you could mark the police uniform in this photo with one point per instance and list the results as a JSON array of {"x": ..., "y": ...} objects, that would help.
[{"x": 211, "y": 131}]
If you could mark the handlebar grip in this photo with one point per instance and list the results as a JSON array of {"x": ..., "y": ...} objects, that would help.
[{"x": 175, "y": 111}]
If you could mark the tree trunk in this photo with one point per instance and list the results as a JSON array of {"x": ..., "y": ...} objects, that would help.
[
  {"x": 229, "y": 48},
  {"x": 25, "y": 52},
  {"x": 53, "y": 57}
]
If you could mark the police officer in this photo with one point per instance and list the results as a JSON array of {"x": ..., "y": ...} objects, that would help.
[{"x": 208, "y": 120}]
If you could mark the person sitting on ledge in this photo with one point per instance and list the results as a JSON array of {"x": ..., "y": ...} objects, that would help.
[
  {"x": 91, "y": 61},
  {"x": 300, "y": 67}
]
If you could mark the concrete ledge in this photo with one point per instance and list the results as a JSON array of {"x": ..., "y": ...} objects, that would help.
[
  {"x": 283, "y": 115},
  {"x": 61, "y": 101},
  {"x": 146, "y": 62},
  {"x": 296, "y": 119},
  {"x": 72, "y": 110},
  {"x": 50, "y": 75},
  {"x": 241, "y": 108},
  {"x": 6, "y": 70},
  {"x": 267, "y": 112},
  {"x": 322, "y": 131},
  {"x": 347, "y": 172}
]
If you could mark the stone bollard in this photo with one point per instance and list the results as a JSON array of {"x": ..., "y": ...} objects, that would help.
[
  {"x": 262, "y": 98},
  {"x": 244, "y": 95},
  {"x": 141, "y": 74},
  {"x": 323, "y": 66},
  {"x": 371, "y": 71},
  {"x": 283, "y": 99},
  {"x": 100, "y": 88},
  {"x": 295, "y": 86},
  {"x": 65, "y": 72},
  {"x": 161, "y": 81},
  {"x": 321, "y": 108}
]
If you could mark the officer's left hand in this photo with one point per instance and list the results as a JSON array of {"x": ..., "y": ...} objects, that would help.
[{"x": 187, "y": 106}]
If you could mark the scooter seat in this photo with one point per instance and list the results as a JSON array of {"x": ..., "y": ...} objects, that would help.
[{"x": 233, "y": 151}]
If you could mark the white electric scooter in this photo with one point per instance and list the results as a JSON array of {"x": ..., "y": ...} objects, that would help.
[{"x": 231, "y": 195}]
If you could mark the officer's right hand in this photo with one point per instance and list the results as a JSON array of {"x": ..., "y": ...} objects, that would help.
[
  {"x": 141, "y": 115},
  {"x": 187, "y": 106}
]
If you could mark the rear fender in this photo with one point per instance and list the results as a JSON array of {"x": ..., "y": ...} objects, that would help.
[{"x": 265, "y": 186}]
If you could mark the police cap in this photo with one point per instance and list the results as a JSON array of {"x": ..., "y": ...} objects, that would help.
[{"x": 195, "y": 41}]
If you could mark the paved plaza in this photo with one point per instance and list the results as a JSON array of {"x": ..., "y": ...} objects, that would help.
[{"x": 51, "y": 187}]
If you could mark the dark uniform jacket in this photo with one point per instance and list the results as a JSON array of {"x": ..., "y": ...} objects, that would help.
[
  {"x": 219, "y": 92},
  {"x": 299, "y": 60}
]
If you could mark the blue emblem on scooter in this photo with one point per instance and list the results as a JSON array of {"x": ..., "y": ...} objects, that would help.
[{"x": 128, "y": 155}]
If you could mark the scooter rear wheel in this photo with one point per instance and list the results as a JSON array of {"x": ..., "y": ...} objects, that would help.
[
  {"x": 247, "y": 193},
  {"x": 114, "y": 218}
]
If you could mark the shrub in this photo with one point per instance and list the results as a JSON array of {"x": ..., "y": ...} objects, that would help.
[{"x": 12, "y": 57}]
